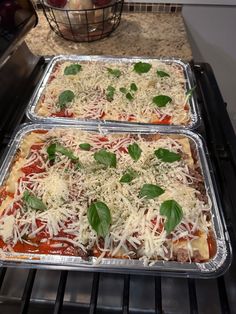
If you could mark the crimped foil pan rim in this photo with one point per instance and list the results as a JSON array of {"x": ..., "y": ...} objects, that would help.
[
  {"x": 211, "y": 269},
  {"x": 195, "y": 118}
]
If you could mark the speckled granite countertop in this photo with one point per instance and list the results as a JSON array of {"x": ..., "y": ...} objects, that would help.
[{"x": 139, "y": 34}]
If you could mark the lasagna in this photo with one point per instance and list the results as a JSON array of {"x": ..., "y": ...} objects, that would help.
[
  {"x": 144, "y": 92},
  {"x": 78, "y": 193}
]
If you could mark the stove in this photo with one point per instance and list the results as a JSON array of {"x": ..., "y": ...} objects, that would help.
[{"x": 60, "y": 291}]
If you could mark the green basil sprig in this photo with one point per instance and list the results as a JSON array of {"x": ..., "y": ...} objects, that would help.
[
  {"x": 129, "y": 96},
  {"x": 85, "y": 146},
  {"x": 64, "y": 98},
  {"x": 133, "y": 87},
  {"x": 123, "y": 90},
  {"x": 72, "y": 69},
  {"x": 150, "y": 191},
  {"x": 106, "y": 158},
  {"x": 129, "y": 93},
  {"x": 162, "y": 74},
  {"x": 99, "y": 217},
  {"x": 110, "y": 93},
  {"x": 114, "y": 72},
  {"x": 166, "y": 155},
  {"x": 129, "y": 176},
  {"x": 174, "y": 213},
  {"x": 142, "y": 67},
  {"x": 58, "y": 148},
  {"x": 161, "y": 100},
  {"x": 33, "y": 202},
  {"x": 134, "y": 151}
]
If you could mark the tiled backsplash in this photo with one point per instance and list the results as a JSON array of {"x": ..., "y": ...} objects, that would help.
[
  {"x": 138, "y": 7},
  {"x": 151, "y": 7}
]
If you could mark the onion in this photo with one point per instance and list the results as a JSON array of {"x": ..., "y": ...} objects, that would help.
[
  {"x": 101, "y": 3},
  {"x": 57, "y": 3},
  {"x": 80, "y": 4}
]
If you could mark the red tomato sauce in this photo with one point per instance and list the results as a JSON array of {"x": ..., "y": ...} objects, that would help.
[
  {"x": 123, "y": 149},
  {"x": 62, "y": 114},
  {"x": 102, "y": 115},
  {"x": 33, "y": 168},
  {"x": 46, "y": 247},
  {"x": 4, "y": 194},
  {"x": 131, "y": 118},
  {"x": 42, "y": 248},
  {"x": 166, "y": 120},
  {"x": 186, "y": 107},
  {"x": 40, "y": 131},
  {"x": 37, "y": 146},
  {"x": 160, "y": 227},
  {"x": 211, "y": 245},
  {"x": 103, "y": 139}
]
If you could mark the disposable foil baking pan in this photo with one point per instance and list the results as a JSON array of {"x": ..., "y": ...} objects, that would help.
[
  {"x": 190, "y": 84},
  {"x": 212, "y": 268}
]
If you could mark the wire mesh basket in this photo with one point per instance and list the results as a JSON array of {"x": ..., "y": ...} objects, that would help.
[{"x": 91, "y": 20}]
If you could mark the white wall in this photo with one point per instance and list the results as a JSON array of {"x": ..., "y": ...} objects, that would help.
[{"x": 212, "y": 34}]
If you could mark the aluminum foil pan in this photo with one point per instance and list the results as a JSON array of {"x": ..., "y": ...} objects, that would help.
[
  {"x": 213, "y": 268},
  {"x": 32, "y": 114}
]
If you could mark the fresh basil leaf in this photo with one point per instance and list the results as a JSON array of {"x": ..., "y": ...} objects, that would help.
[
  {"x": 85, "y": 146},
  {"x": 33, "y": 202},
  {"x": 134, "y": 151},
  {"x": 166, "y": 155},
  {"x": 66, "y": 152},
  {"x": 99, "y": 217},
  {"x": 114, "y": 72},
  {"x": 129, "y": 96},
  {"x": 78, "y": 166},
  {"x": 65, "y": 97},
  {"x": 161, "y": 100},
  {"x": 72, "y": 69},
  {"x": 110, "y": 93},
  {"x": 162, "y": 74},
  {"x": 128, "y": 176},
  {"x": 189, "y": 93},
  {"x": 150, "y": 191},
  {"x": 106, "y": 158},
  {"x": 123, "y": 90},
  {"x": 58, "y": 148},
  {"x": 133, "y": 87},
  {"x": 174, "y": 213},
  {"x": 142, "y": 67},
  {"x": 51, "y": 151}
]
